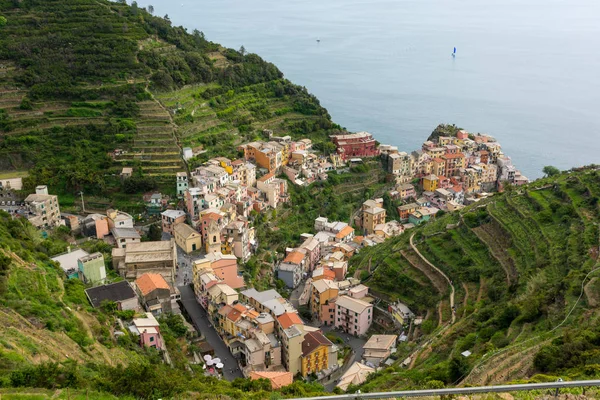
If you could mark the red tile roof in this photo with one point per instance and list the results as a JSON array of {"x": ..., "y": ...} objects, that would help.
[
  {"x": 278, "y": 379},
  {"x": 344, "y": 232},
  {"x": 452, "y": 156},
  {"x": 212, "y": 215},
  {"x": 295, "y": 257},
  {"x": 288, "y": 319},
  {"x": 149, "y": 282},
  {"x": 266, "y": 177}
]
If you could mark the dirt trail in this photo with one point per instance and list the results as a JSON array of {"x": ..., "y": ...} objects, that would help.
[
  {"x": 466, "y": 299},
  {"x": 591, "y": 294},
  {"x": 439, "y": 271}
]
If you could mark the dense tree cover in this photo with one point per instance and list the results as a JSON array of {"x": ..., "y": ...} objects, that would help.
[
  {"x": 145, "y": 380},
  {"x": 444, "y": 130},
  {"x": 549, "y": 170},
  {"x": 104, "y": 58}
]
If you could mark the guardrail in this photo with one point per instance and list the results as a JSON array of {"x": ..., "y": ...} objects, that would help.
[{"x": 463, "y": 390}]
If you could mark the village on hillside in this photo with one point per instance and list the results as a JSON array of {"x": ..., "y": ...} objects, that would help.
[{"x": 327, "y": 326}]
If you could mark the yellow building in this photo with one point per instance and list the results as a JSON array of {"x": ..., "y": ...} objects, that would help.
[
  {"x": 226, "y": 164},
  {"x": 323, "y": 291},
  {"x": 430, "y": 183},
  {"x": 372, "y": 215},
  {"x": 187, "y": 238},
  {"x": 292, "y": 340},
  {"x": 439, "y": 167},
  {"x": 315, "y": 353}
]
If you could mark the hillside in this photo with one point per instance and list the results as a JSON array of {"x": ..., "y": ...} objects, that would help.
[
  {"x": 79, "y": 79},
  {"x": 517, "y": 262},
  {"x": 51, "y": 338}
]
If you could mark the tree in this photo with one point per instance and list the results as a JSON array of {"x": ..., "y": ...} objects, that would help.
[
  {"x": 2, "y": 21},
  {"x": 151, "y": 9},
  {"x": 243, "y": 50},
  {"x": 549, "y": 170},
  {"x": 154, "y": 233},
  {"x": 134, "y": 7}
]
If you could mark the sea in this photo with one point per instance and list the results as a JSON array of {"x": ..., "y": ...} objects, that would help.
[{"x": 526, "y": 71}]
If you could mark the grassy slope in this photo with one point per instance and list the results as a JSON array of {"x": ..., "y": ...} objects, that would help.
[
  {"x": 78, "y": 80},
  {"x": 41, "y": 319},
  {"x": 513, "y": 286},
  {"x": 51, "y": 338}
]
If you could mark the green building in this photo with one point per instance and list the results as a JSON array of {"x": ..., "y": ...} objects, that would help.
[{"x": 92, "y": 269}]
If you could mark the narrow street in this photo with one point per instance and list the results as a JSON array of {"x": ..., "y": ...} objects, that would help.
[
  {"x": 357, "y": 348},
  {"x": 183, "y": 275},
  {"x": 295, "y": 295},
  {"x": 201, "y": 322}
]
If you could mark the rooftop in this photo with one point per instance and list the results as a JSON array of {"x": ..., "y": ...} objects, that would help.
[
  {"x": 261, "y": 297},
  {"x": 173, "y": 214},
  {"x": 68, "y": 261},
  {"x": 118, "y": 291},
  {"x": 266, "y": 177},
  {"x": 355, "y": 305},
  {"x": 356, "y": 374},
  {"x": 312, "y": 341},
  {"x": 278, "y": 379},
  {"x": 288, "y": 319},
  {"x": 185, "y": 230},
  {"x": 344, "y": 232},
  {"x": 380, "y": 342},
  {"x": 324, "y": 284},
  {"x": 295, "y": 257},
  {"x": 129, "y": 233},
  {"x": 149, "y": 282}
]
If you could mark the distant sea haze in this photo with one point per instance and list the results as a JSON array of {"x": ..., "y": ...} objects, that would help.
[{"x": 526, "y": 71}]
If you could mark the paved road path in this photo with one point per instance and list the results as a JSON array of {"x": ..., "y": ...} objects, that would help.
[
  {"x": 183, "y": 275},
  {"x": 357, "y": 347},
  {"x": 200, "y": 319},
  {"x": 295, "y": 295}
]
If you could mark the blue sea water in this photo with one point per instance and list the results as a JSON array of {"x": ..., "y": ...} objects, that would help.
[{"x": 526, "y": 71}]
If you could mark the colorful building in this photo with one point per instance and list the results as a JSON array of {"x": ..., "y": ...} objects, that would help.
[
  {"x": 361, "y": 144},
  {"x": 315, "y": 353},
  {"x": 187, "y": 238},
  {"x": 353, "y": 316}
]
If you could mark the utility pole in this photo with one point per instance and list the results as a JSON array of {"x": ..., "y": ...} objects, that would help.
[{"x": 82, "y": 203}]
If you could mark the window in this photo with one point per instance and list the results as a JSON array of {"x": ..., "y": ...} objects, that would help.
[{"x": 151, "y": 338}]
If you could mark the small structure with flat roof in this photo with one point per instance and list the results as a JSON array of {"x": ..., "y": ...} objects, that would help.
[{"x": 120, "y": 293}]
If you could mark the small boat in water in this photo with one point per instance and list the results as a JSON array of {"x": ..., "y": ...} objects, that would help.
[{"x": 454, "y": 53}]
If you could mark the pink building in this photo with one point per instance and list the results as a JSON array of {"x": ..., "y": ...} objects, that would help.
[
  {"x": 353, "y": 316},
  {"x": 358, "y": 292},
  {"x": 328, "y": 312},
  {"x": 313, "y": 252},
  {"x": 170, "y": 218},
  {"x": 102, "y": 228},
  {"x": 148, "y": 331},
  {"x": 205, "y": 222},
  {"x": 462, "y": 134},
  {"x": 223, "y": 267}
]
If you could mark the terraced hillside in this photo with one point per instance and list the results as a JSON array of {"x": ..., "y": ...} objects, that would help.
[
  {"x": 525, "y": 267},
  {"x": 80, "y": 79}
]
